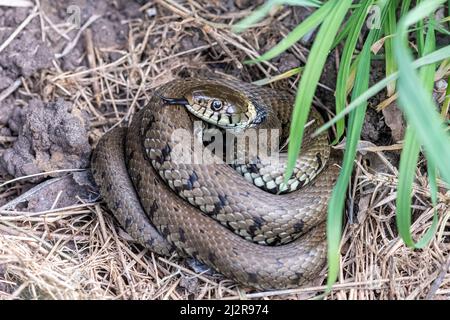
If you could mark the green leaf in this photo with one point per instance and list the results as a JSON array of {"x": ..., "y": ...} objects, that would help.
[
  {"x": 409, "y": 157},
  {"x": 446, "y": 103},
  {"x": 346, "y": 58},
  {"x": 405, "y": 7},
  {"x": 415, "y": 101},
  {"x": 438, "y": 55},
  {"x": 310, "y": 79},
  {"x": 299, "y": 32},
  {"x": 263, "y": 10},
  {"x": 389, "y": 29},
  {"x": 407, "y": 169},
  {"x": 279, "y": 77},
  {"x": 348, "y": 25},
  {"x": 355, "y": 122}
]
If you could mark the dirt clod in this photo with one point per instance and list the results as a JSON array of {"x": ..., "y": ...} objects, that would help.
[
  {"x": 24, "y": 56},
  {"x": 52, "y": 136},
  {"x": 373, "y": 127},
  {"x": 395, "y": 121},
  {"x": 59, "y": 193}
]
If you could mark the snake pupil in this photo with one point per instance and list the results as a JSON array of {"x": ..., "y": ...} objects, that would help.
[{"x": 216, "y": 105}]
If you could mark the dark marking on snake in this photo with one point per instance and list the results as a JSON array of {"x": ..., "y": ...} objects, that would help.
[
  {"x": 223, "y": 200},
  {"x": 182, "y": 235},
  {"x": 252, "y": 168},
  {"x": 117, "y": 204},
  {"x": 319, "y": 160},
  {"x": 178, "y": 189},
  {"x": 212, "y": 257},
  {"x": 298, "y": 227},
  {"x": 194, "y": 254},
  {"x": 299, "y": 275},
  {"x": 188, "y": 185},
  {"x": 166, "y": 151},
  {"x": 130, "y": 155},
  {"x": 271, "y": 190},
  {"x": 258, "y": 222},
  {"x": 128, "y": 222},
  {"x": 252, "y": 277},
  {"x": 245, "y": 194},
  {"x": 193, "y": 178},
  {"x": 94, "y": 159},
  {"x": 149, "y": 121},
  {"x": 260, "y": 111},
  {"x": 138, "y": 180},
  {"x": 152, "y": 209},
  {"x": 165, "y": 231},
  {"x": 159, "y": 160},
  {"x": 150, "y": 242},
  {"x": 217, "y": 208}
]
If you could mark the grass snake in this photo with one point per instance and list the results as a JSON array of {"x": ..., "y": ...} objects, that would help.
[{"x": 238, "y": 219}]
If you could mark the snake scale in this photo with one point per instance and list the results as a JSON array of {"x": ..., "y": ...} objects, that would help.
[{"x": 219, "y": 214}]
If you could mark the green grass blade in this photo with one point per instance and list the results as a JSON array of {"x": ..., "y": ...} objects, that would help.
[
  {"x": 442, "y": 30},
  {"x": 409, "y": 157},
  {"x": 344, "y": 67},
  {"x": 432, "y": 181},
  {"x": 420, "y": 36},
  {"x": 336, "y": 205},
  {"x": 255, "y": 17},
  {"x": 348, "y": 25},
  {"x": 414, "y": 100},
  {"x": 436, "y": 56},
  {"x": 299, "y": 32},
  {"x": 263, "y": 11},
  {"x": 405, "y": 7},
  {"x": 389, "y": 29},
  {"x": 355, "y": 123},
  {"x": 408, "y": 162},
  {"x": 279, "y": 77},
  {"x": 304, "y": 3},
  {"x": 446, "y": 104},
  {"x": 310, "y": 79},
  {"x": 407, "y": 169},
  {"x": 428, "y": 76}
]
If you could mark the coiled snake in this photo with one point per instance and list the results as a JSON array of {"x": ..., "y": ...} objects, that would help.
[{"x": 258, "y": 238}]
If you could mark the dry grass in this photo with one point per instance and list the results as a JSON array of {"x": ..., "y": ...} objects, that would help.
[{"x": 80, "y": 253}]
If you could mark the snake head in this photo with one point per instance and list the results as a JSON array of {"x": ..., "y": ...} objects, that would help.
[{"x": 220, "y": 106}]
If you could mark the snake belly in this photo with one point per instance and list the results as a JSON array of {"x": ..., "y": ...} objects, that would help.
[{"x": 210, "y": 211}]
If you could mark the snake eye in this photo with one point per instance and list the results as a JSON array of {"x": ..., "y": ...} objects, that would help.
[{"x": 216, "y": 105}]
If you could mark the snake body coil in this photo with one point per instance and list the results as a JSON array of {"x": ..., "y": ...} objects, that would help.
[{"x": 260, "y": 239}]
